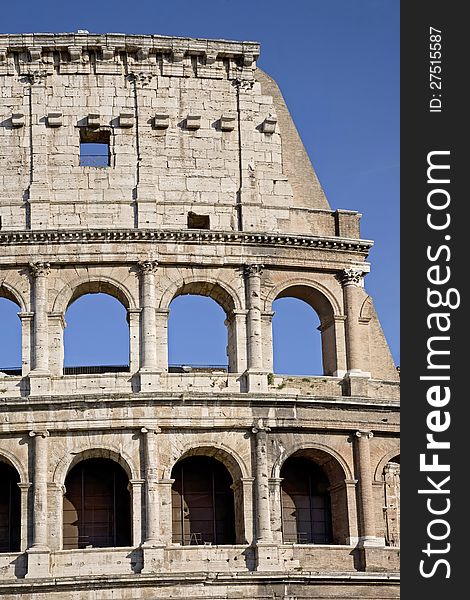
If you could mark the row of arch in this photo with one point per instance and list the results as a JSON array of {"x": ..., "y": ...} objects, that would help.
[
  {"x": 322, "y": 353},
  {"x": 317, "y": 295},
  {"x": 97, "y": 506}
]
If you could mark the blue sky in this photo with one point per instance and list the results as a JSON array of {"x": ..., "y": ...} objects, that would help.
[{"x": 337, "y": 64}]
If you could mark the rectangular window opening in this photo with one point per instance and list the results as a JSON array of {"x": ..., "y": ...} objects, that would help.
[
  {"x": 95, "y": 148},
  {"x": 198, "y": 221}
]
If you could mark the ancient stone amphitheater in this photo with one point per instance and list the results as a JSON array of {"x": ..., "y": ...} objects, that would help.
[{"x": 148, "y": 482}]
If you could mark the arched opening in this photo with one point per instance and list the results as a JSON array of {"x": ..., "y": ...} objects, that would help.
[
  {"x": 10, "y": 509},
  {"x": 297, "y": 348},
  {"x": 202, "y": 502},
  {"x": 304, "y": 334},
  {"x": 96, "y": 338},
  {"x": 10, "y": 328},
  {"x": 306, "y": 504},
  {"x": 97, "y": 506},
  {"x": 197, "y": 335},
  {"x": 391, "y": 477},
  {"x": 314, "y": 502}
]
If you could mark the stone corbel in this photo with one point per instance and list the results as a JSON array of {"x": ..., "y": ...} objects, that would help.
[
  {"x": 269, "y": 124},
  {"x": 126, "y": 119},
  {"x": 161, "y": 121},
  {"x": 54, "y": 119},
  {"x": 93, "y": 120},
  {"x": 193, "y": 122},
  {"x": 17, "y": 120},
  {"x": 35, "y": 54},
  {"x": 227, "y": 122},
  {"x": 107, "y": 54},
  {"x": 75, "y": 53}
]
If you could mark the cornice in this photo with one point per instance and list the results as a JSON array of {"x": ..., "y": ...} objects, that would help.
[{"x": 111, "y": 236}]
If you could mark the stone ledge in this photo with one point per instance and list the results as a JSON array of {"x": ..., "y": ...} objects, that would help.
[{"x": 195, "y": 236}]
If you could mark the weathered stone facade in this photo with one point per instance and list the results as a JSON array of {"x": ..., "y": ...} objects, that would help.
[{"x": 208, "y": 191}]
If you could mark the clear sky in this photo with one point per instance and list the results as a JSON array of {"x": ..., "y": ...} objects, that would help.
[{"x": 337, "y": 64}]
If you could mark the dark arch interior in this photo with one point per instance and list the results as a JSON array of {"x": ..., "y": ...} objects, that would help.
[
  {"x": 10, "y": 512},
  {"x": 202, "y": 502},
  {"x": 97, "y": 511},
  {"x": 306, "y": 505}
]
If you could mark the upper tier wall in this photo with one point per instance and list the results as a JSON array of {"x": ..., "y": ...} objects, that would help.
[{"x": 193, "y": 127}]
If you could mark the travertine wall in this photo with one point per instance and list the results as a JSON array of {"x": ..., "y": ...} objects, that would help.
[{"x": 194, "y": 127}]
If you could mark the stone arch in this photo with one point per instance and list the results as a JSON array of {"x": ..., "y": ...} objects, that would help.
[
  {"x": 97, "y": 501},
  {"x": 318, "y": 296},
  {"x": 11, "y": 293},
  {"x": 94, "y": 285},
  {"x": 333, "y": 470},
  {"x": 233, "y": 521},
  {"x": 227, "y": 456},
  {"x": 10, "y": 459},
  {"x": 378, "y": 473},
  {"x": 328, "y": 309},
  {"x": 367, "y": 309},
  {"x": 117, "y": 455},
  {"x": 316, "y": 448},
  {"x": 222, "y": 293}
]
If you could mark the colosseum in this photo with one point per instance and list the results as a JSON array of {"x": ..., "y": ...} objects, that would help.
[{"x": 147, "y": 481}]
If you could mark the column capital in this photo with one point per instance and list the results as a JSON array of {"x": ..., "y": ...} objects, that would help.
[
  {"x": 365, "y": 434},
  {"x": 147, "y": 266},
  {"x": 42, "y": 434},
  {"x": 155, "y": 430},
  {"x": 40, "y": 269},
  {"x": 260, "y": 427},
  {"x": 253, "y": 270},
  {"x": 352, "y": 276}
]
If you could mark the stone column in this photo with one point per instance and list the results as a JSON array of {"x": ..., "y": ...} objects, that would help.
[
  {"x": 39, "y": 553},
  {"x": 162, "y": 339},
  {"x": 39, "y": 272},
  {"x": 263, "y": 512},
  {"x": 39, "y": 489},
  {"x": 276, "y": 512},
  {"x": 24, "y": 493},
  {"x": 366, "y": 492},
  {"x": 26, "y": 318},
  {"x": 352, "y": 281},
  {"x": 148, "y": 336},
  {"x": 152, "y": 520},
  {"x": 165, "y": 487},
  {"x": 267, "y": 333},
  {"x": 135, "y": 489},
  {"x": 256, "y": 377},
  {"x": 133, "y": 316}
]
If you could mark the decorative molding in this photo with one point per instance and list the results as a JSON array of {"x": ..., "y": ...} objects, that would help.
[
  {"x": 40, "y": 269},
  {"x": 253, "y": 270},
  {"x": 148, "y": 266},
  {"x": 366, "y": 434},
  {"x": 84, "y": 236},
  {"x": 352, "y": 276}
]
